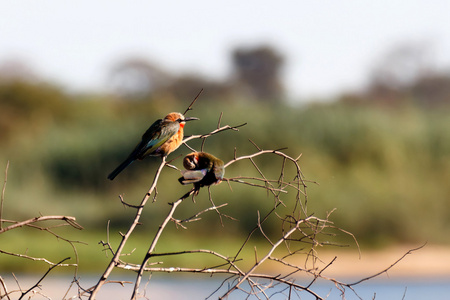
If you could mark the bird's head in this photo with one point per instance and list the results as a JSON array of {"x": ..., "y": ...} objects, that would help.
[
  {"x": 177, "y": 117},
  {"x": 190, "y": 162}
]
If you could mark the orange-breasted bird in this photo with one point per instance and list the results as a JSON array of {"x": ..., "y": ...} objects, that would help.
[
  {"x": 161, "y": 138},
  {"x": 202, "y": 169}
]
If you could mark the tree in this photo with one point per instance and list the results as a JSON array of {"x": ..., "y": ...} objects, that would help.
[{"x": 258, "y": 72}]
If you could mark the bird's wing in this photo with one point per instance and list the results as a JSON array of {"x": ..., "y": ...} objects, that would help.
[
  {"x": 141, "y": 147},
  {"x": 156, "y": 135},
  {"x": 193, "y": 176},
  {"x": 218, "y": 169},
  {"x": 153, "y": 133}
]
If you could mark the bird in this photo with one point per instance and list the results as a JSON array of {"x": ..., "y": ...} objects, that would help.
[
  {"x": 202, "y": 169},
  {"x": 161, "y": 138}
]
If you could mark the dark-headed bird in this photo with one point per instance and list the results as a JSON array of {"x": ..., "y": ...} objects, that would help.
[
  {"x": 161, "y": 138},
  {"x": 202, "y": 169}
]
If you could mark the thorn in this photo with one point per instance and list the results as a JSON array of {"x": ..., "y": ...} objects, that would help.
[{"x": 256, "y": 146}]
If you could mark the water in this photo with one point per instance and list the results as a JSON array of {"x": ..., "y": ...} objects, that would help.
[{"x": 180, "y": 288}]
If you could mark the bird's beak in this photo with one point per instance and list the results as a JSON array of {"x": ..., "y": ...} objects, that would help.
[{"x": 190, "y": 119}]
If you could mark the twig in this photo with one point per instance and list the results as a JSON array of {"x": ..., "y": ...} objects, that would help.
[
  {"x": 4, "y": 288},
  {"x": 212, "y": 271},
  {"x": 128, "y": 204},
  {"x": 388, "y": 268},
  {"x": 3, "y": 196},
  {"x": 192, "y": 103},
  {"x": 42, "y": 278},
  {"x": 404, "y": 293},
  {"x": 69, "y": 220},
  {"x": 196, "y": 216},
  {"x": 17, "y": 281},
  {"x": 38, "y": 259},
  {"x": 236, "y": 179},
  {"x": 206, "y": 135}
]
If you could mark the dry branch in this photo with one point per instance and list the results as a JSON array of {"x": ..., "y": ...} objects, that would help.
[
  {"x": 193, "y": 101},
  {"x": 38, "y": 259},
  {"x": 3, "y": 195},
  {"x": 155, "y": 241},
  {"x": 69, "y": 220},
  {"x": 115, "y": 260},
  {"x": 42, "y": 278}
]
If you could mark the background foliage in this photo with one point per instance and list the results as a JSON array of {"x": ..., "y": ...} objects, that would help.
[{"x": 380, "y": 156}]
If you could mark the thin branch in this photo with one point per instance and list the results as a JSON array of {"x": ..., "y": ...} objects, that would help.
[
  {"x": 115, "y": 260},
  {"x": 223, "y": 128},
  {"x": 258, "y": 263},
  {"x": 192, "y": 103},
  {"x": 3, "y": 195},
  {"x": 42, "y": 278},
  {"x": 128, "y": 204},
  {"x": 220, "y": 119},
  {"x": 212, "y": 271},
  {"x": 196, "y": 216},
  {"x": 4, "y": 288},
  {"x": 17, "y": 281},
  {"x": 388, "y": 268},
  {"x": 70, "y": 220},
  {"x": 37, "y": 259},
  {"x": 156, "y": 239},
  {"x": 318, "y": 275}
]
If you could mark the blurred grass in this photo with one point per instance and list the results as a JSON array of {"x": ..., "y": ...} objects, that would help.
[
  {"x": 385, "y": 170},
  {"x": 93, "y": 258}
]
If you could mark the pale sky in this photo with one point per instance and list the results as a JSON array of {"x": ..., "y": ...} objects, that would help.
[{"x": 329, "y": 45}]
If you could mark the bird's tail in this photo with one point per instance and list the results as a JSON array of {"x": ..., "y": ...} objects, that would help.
[{"x": 120, "y": 168}]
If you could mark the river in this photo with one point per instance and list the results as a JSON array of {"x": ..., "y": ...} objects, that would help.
[{"x": 191, "y": 288}]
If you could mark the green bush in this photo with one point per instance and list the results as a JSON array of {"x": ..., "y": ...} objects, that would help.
[{"x": 386, "y": 171}]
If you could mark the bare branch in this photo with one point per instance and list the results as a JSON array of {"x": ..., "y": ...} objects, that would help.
[
  {"x": 128, "y": 204},
  {"x": 192, "y": 103},
  {"x": 258, "y": 263},
  {"x": 114, "y": 261},
  {"x": 37, "y": 259},
  {"x": 2, "y": 282},
  {"x": 3, "y": 195},
  {"x": 70, "y": 221},
  {"x": 388, "y": 268},
  {"x": 220, "y": 119},
  {"x": 223, "y": 128},
  {"x": 196, "y": 216},
  {"x": 155, "y": 240},
  {"x": 42, "y": 278}
]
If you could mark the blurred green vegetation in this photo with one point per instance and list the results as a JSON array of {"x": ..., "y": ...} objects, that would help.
[{"x": 385, "y": 169}]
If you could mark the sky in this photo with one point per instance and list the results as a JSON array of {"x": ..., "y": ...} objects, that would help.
[{"x": 329, "y": 46}]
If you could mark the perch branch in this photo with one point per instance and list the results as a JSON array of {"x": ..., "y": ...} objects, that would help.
[
  {"x": 115, "y": 260},
  {"x": 156, "y": 239}
]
